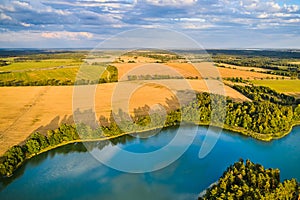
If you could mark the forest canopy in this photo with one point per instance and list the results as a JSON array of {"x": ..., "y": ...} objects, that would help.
[{"x": 252, "y": 181}]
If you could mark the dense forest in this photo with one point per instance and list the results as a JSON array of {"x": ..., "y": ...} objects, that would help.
[
  {"x": 276, "y": 65},
  {"x": 288, "y": 53},
  {"x": 252, "y": 181},
  {"x": 39, "y": 54}
]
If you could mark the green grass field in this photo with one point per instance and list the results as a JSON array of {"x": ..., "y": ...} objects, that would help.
[
  {"x": 47, "y": 69},
  {"x": 59, "y": 74},
  {"x": 280, "y": 85},
  {"x": 43, "y": 64},
  {"x": 90, "y": 72}
]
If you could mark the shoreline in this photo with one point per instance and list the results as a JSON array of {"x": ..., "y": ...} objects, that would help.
[
  {"x": 90, "y": 140},
  {"x": 237, "y": 130},
  {"x": 254, "y": 135}
]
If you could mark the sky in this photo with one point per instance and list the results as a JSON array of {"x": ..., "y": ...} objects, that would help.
[{"x": 211, "y": 23}]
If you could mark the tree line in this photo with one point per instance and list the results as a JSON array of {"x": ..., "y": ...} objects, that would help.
[
  {"x": 16, "y": 155},
  {"x": 278, "y": 66},
  {"x": 262, "y": 93}
]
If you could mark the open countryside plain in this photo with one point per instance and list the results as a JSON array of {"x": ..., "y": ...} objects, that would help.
[{"x": 45, "y": 107}]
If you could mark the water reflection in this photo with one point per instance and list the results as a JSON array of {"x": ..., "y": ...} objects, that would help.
[
  {"x": 71, "y": 148},
  {"x": 70, "y": 172}
]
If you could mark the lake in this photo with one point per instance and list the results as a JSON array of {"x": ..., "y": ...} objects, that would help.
[{"x": 71, "y": 172}]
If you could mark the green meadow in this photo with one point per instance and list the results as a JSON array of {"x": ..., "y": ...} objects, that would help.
[
  {"x": 47, "y": 72},
  {"x": 30, "y": 65},
  {"x": 280, "y": 85}
]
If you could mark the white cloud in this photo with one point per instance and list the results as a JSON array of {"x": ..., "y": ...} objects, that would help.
[
  {"x": 260, "y": 6},
  {"x": 5, "y": 17},
  {"x": 293, "y": 20},
  {"x": 38, "y": 7},
  {"x": 7, "y": 7},
  {"x": 281, "y": 15},
  {"x": 273, "y": 15},
  {"x": 249, "y": 4},
  {"x": 22, "y": 4},
  {"x": 263, "y": 15},
  {"x": 192, "y": 19},
  {"x": 171, "y": 2},
  {"x": 34, "y": 39},
  {"x": 11, "y": 36},
  {"x": 95, "y": 3},
  {"x": 196, "y": 26},
  {"x": 272, "y": 6},
  {"x": 291, "y": 8},
  {"x": 86, "y": 20},
  {"x": 67, "y": 35},
  {"x": 25, "y": 24}
]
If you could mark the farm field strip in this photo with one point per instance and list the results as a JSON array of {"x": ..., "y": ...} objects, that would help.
[
  {"x": 244, "y": 68},
  {"x": 190, "y": 70},
  {"x": 290, "y": 87},
  {"x": 38, "y": 75},
  {"x": 36, "y": 65},
  {"x": 280, "y": 85},
  {"x": 63, "y": 70}
]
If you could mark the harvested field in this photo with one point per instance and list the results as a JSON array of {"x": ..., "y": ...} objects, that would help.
[
  {"x": 186, "y": 70},
  {"x": 231, "y": 73},
  {"x": 27, "y": 109}
]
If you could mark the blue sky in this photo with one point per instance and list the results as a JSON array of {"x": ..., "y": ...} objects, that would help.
[{"x": 212, "y": 23}]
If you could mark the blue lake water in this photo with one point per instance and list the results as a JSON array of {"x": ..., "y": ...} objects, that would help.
[{"x": 71, "y": 172}]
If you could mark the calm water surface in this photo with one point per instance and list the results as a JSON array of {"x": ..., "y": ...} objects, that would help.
[{"x": 70, "y": 172}]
